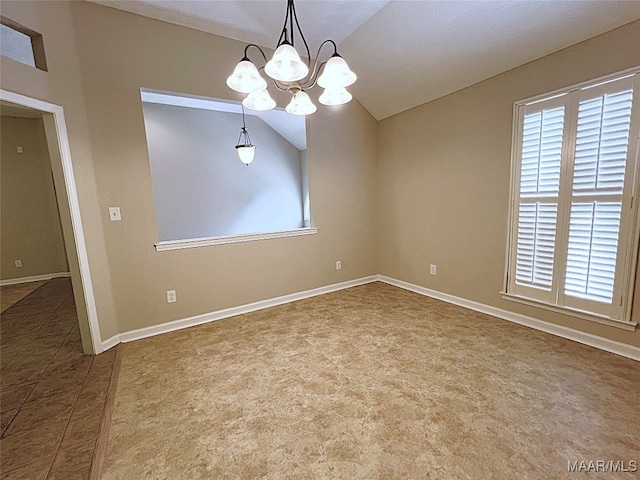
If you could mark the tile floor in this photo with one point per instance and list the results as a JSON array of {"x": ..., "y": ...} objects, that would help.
[
  {"x": 52, "y": 396},
  {"x": 12, "y": 294}
]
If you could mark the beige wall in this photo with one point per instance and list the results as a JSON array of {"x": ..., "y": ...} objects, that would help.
[
  {"x": 31, "y": 230},
  {"x": 389, "y": 197},
  {"x": 99, "y": 88},
  {"x": 444, "y": 177},
  {"x": 119, "y": 53},
  {"x": 62, "y": 85}
]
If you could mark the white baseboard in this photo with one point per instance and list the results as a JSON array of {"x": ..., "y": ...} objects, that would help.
[
  {"x": 596, "y": 341},
  {"x": 602, "y": 343},
  {"x": 34, "y": 278},
  {"x": 110, "y": 343},
  {"x": 229, "y": 312}
]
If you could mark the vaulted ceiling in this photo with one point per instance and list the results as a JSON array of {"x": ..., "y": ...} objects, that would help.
[{"x": 407, "y": 53}]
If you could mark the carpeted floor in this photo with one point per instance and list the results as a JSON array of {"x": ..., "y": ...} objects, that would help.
[
  {"x": 52, "y": 396},
  {"x": 372, "y": 382}
]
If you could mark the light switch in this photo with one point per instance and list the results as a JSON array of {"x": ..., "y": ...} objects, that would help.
[
  {"x": 171, "y": 296},
  {"x": 20, "y": 149},
  {"x": 114, "y": 214}
]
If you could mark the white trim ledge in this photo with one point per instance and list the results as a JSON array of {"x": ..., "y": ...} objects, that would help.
[
  {"x": 153, "y": 330},
  {"x": 611, "y": 322},
  {"x": 596, "y": 341},
  {"x": 251, "y": 237},
  {"x": 34, "y": 278}
]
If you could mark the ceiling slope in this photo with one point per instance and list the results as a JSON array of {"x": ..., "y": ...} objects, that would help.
[
  {"x": 428, "y": 49},
  {"x": 407, "y": 53}
]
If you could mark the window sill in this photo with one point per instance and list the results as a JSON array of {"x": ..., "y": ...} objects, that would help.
[
  {"x": 251, "y": 237},
  {"x": 611, "y": 322}
]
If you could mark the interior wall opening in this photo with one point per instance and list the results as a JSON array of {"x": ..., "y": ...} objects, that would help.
[{"x": 55, "y": 147}]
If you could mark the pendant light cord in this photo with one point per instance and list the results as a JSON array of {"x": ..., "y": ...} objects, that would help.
[{"x": 244, "y": 125}]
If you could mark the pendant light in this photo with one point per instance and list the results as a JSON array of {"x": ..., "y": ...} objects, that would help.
[
  {"x": 290, "y": 73},
  {"x": 246, "y": 151}
]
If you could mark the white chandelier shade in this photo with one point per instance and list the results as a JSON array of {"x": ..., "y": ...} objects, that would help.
[
  {"x": 301, "y": 104},
  {"x": 260, "y": 100},
  {"x": 286, "y": 65},
  {"x": 336, "y": 74},
  {"x": 335, "y": 96},
  {"x": 290, "y": 73},
  {"x": 246, "y": 78}
]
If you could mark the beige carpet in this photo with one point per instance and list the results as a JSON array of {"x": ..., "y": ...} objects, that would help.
[{"x": 371, "y": 382}]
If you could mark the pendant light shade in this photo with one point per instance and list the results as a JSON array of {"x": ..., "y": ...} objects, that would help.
[
  {"x": 336, "y": 74},
  {"x": 260, "y": 100},
  {"x": 286, "y": 65},
  {"x": 335, "y": 96},
  {"x": 246, "y": 153},
  {"x": 246, "y": 78},
  {"x": 301, "y": 104}
]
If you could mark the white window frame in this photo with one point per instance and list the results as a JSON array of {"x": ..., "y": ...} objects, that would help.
[{"x": 618, "y": 314}]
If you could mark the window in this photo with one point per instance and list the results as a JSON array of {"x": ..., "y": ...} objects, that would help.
[
  {"x": 573, "y": 240},
  {"x": 204, "y": 195},
  {"x": 21, "y": 44}
]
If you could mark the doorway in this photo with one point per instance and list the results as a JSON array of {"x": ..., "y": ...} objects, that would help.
[{"x": 69, "y": 211}]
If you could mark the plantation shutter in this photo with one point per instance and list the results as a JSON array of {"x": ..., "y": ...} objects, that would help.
[
  {"x": 541, "y": 156},
  {"x": 601, "y": 157},
  {"x": 575, "y": 169}
]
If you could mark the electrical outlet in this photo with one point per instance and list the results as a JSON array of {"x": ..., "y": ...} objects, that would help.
[
  {"x": 171, "y": 296},
  {"x": 432, "y": 269},
  {"x": 338, "y": 265},
  {"x": 18, "y": 263}
]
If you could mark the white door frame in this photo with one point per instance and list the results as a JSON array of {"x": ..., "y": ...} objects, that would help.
[{"x": 74, "y": 205}]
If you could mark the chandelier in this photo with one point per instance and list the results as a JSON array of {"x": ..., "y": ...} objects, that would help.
[{"x": 289, "y": 73}]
